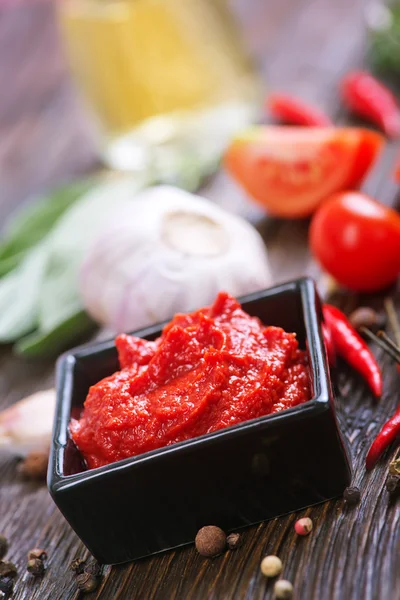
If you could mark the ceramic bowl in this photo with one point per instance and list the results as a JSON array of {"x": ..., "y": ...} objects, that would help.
[{"x": 231, "y": 478}]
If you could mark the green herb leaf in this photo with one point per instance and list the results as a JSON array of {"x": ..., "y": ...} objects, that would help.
[
  {"x": 50, "y": 343},
  {"x": 19, "y": 295},
  {"x": 34, "y": 221},
  {"x": 59, "y": 308}
]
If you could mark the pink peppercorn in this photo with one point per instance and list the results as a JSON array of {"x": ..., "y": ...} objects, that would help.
[{"x": 303, "y": 526}]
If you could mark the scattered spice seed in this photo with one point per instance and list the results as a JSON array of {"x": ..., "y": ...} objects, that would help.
[
  {"x": 93, "y": 569},
  {"x": 78, "y": 565},
  {"x": 210, "y": 541},
  {"x": 37, "y": 553},
  {"x": 303, "y": 526},
  {"x": 366, "y": 317},
  {"x": 392, "y": 483},
  {"x": 233, "y": 541},
  {"x": 6, "y": 585},
  {"x": 351, "y": 495},
  {"x": 3, "y": 546},
  {"x": 87, "y": 582},
  {"x": 271, "y": 566},
  {"x": 8, "y": 569},
  {"x": 35, "y": 567},
  {"x": 283, "y": 589},
  {"x": 394, "y": 467},
  {"x": 34, "y": 466}
]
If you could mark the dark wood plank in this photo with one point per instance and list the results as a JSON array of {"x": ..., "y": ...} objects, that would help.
[{"x": 352, "y": 554}]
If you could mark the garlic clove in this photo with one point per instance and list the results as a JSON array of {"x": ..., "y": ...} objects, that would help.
[{"x": 27, "y": 425}]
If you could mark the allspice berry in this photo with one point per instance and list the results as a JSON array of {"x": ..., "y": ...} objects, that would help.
[
  {"x": 35, "y": 567},
  {"x": 283, "y": 589},
  {"x": 3, "y": 546},
  {"x": 233, "y": 541},
  {"x": 87, "y": 582},
  {"x": 210, "y": 541},
  {"x": 37, "y": 553},
  {"x": 34, "y": 466},
  {"x": 271, "y": 566}
]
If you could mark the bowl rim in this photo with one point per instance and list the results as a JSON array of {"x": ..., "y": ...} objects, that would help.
[{"x": 320, "y": 401}]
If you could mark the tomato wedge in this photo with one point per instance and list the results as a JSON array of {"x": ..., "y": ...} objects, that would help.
[{"x": 291, "y": 170}]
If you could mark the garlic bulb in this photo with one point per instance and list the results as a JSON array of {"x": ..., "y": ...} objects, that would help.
[{"x": 169, "y": 251}]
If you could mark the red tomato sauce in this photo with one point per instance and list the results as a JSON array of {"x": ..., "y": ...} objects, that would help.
[{"x": 210, "y": 369}]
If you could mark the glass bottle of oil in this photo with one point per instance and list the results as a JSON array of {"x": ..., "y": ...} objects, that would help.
[{"x": 157, "y": 70}]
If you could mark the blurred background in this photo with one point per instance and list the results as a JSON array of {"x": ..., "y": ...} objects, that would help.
[
  {"x": 77, "y": 74},
  {"x": 155, "y": 91}
]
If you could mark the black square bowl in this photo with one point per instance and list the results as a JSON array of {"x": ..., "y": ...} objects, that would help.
[{"x": 232, "y": 478}]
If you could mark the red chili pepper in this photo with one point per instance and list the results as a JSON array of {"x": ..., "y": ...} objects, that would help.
[
  {"x": 397, "y": 171},
  {"x": 367, "y": 97},
  {"x": 350, "y": 346},
  {"x": 290, "y": 109},
  {"x": 330, "y": 347},
  {"x": 385, "y": 437}
]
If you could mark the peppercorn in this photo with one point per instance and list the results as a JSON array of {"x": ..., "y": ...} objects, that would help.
[
  {"x": 234, "y": 540},
  {"x": 366, "y": 317},
  {"x": 271, "y": 566},
  {"x": 93, "y": 568},
  {"x": 351, "y": 495},
  {"x": 392, "y": 484},
  {"x": 35, "y": 567},
  {"x": 34, "y": 466},
  {"x": 37, "y": 553},
  {"x": 3, "y": 546},
  {"x": 87, "y": 582},
  {"x": 78, "y": 565},
  {"x": 8, "y": 569},
  {"x": 394, "y": 467},
  {"x": 303, "y": 526},
  {"x": 6, "y": 585},
  {"x": 210, "y": 541},
  {"x": 283, "y": 589}
]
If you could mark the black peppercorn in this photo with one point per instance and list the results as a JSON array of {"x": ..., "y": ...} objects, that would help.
[
  {"x": 78, "y": 565},
  {"x": 392, "y": 483},
  {"x": 87, "y": 582},
  {"x": 352, "y": 496},
  {"x": 8, "y": 569},
  {"x": 35, "y": 567},
  {"x": 233, "y": 541},
  {"x": 6, "y": 585},
  {"x": 3, "y": 546},
  {"x": 93, "y": 568}
]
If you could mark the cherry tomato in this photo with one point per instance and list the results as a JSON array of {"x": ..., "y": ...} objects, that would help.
[
  {"x": 291, "y": 170},
  {"x": 357, "y": 240}
]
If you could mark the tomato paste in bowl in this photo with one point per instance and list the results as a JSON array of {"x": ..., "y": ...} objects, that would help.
[
  {"x": 210, "y": 369},
  {"x": 240, "y": 425}
]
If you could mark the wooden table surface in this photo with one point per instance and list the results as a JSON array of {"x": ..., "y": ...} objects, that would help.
[{"x": 302, "y": 47}]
